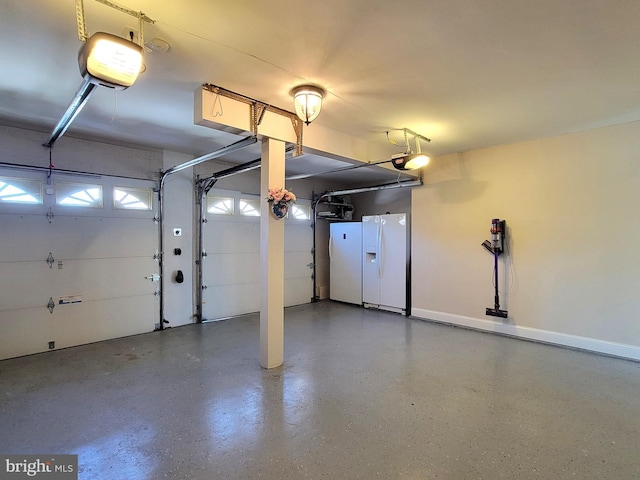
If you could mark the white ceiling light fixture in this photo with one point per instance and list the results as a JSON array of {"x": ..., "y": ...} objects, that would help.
[{"x": 307, "y": 100}]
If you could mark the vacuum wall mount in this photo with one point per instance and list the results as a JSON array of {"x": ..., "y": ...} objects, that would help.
[{"x": 496, "y": 247}]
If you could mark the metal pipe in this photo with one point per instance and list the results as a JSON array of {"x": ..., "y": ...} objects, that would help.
[
  {"x": 79, "y": 101},
  {"x": 387, "y": 186},
  {"x": 244, "y": 167},
  {"x": 343, "y": 169},
  {"x": 201, "y": 194},
  {"x": 236, "y": 169},
  {"x": 161, "y": 247},
  {"x": 210, "y": 156},
  {"x": 416, "y": 135},
  {"x": 314, "y": 207},
  {"x": 80, "y": 173}
]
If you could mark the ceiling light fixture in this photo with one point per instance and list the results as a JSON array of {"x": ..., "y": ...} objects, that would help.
[{"x": 307, "y": 100}]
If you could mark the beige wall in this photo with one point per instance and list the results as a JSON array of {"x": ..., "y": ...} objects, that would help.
[{"x": 573, "y": 268}]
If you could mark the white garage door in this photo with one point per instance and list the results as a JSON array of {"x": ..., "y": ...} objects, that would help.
[
  {"x": 231, "y": 267},
  {"x": 74, "y": 257}
]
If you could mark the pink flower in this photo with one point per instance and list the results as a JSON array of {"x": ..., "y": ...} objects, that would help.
[{"x": 281, "y": 194}]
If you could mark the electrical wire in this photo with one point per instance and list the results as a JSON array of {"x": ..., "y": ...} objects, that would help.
[
  {"x": 511, "y": 274},
  {"x": 393, "y": 142}
]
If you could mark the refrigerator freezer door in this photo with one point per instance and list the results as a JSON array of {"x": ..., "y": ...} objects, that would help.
[{"x": 345, "y": 269}]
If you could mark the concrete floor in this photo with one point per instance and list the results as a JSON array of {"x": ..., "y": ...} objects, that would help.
[{"x": 363, "y": 394}]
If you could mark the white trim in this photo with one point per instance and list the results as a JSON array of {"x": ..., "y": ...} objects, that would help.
[{"x": 546, "y": 336}]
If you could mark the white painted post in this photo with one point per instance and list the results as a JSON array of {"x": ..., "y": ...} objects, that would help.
[{"x": 271, "y": 258}]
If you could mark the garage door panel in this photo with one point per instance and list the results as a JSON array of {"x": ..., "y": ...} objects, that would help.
[
  {"x": 296, "y": 265},
  {"x": 230, "y": 237},
  {"x": 25, "y": 331},
  {"x": 298, "y": 238},
  {"x": 296, "y": 292},
  {"x": 19, "y": 240},
  {"x": 30, "y": 284},
  {"x": 105, "y": 278},
  {"x": 232, "y": 268},
  {"x": 92, "y": 321},
  {"x": 89, "y": 237},
  {"x": 230, "y": 300},
  {"x": 22, "y": 284}
]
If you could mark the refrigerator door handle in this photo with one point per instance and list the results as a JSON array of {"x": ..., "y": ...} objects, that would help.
[{"x": 330, "y": 248}]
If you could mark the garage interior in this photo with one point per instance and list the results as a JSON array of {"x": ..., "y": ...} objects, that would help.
[{"x": 159, "y": 320}]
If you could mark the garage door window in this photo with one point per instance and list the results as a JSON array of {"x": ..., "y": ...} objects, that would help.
[
  {"x": 132, "y": 198},
  {"x": 20, "y": 190},
  {"x": 79, "y": 195},
  {"x": 299, "y": 212},
  {"x": 249, "y": 207},
  {"x": 217, "y": 205}
]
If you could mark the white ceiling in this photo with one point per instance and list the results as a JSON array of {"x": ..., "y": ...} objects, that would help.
[{"x": 466, "y": 73}]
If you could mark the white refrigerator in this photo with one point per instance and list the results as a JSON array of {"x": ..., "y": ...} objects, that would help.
[
  {"x": 345, "y": 262},
  {"x": 385, "y": 262}
]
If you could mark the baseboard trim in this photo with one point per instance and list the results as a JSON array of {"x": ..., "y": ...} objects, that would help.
[{"x": 572, "y": 341}]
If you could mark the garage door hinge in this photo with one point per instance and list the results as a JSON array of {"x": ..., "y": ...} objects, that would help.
[
  {"x": 157, "y": 256},
  {"x": 204, "y": 287},
  {"x": 51, "y": 305},
  {"x": 157, "y": 293},
  {"x": 50, "y": 215},
  {"x": 50, "y": 260}
]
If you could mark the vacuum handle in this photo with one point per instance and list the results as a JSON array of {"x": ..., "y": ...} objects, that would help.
[{"x": 495, "y": 272}]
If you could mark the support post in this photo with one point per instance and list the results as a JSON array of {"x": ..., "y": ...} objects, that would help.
[{"x": 271, "y": 258}]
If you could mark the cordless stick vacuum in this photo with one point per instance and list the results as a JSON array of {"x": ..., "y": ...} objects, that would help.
[{"x": 496, "y": 247}]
